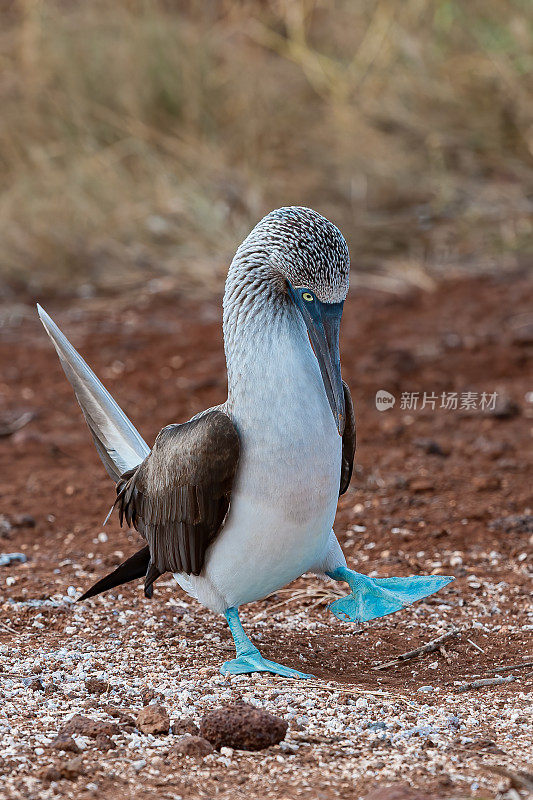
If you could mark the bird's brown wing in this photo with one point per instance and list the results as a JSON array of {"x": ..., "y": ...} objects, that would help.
[
  {"x": 348, "y": 441},
  {"x": 178, "y": 497}
]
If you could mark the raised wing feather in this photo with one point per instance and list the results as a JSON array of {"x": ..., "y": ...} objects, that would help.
[
  {"x": 179, "y": 496},
  {"x": 119, "y": 444},
  {"x": 348, "y": 441}
]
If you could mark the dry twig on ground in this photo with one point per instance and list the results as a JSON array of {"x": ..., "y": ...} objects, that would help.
[
  {"x": 509, "y": 667},
  {"x": 430, "y": 647},
  {"x": 483, "y": 682}
]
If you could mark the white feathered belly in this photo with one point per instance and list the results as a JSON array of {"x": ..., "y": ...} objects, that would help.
[
  {"x": 263, "y": 547},
  {"x": 281, "y": 514}
]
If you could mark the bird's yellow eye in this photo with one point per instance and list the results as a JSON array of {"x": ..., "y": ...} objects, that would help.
[{"x": 308, "y": 297}]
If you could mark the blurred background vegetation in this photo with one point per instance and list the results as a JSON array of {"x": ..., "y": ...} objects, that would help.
[{"x": 144, "y": 138}]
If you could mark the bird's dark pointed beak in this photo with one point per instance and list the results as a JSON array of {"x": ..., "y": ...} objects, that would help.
[{"x": 323, "y": 321}]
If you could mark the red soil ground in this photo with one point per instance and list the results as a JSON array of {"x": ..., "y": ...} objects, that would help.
[{"x": 435, "y": 490}]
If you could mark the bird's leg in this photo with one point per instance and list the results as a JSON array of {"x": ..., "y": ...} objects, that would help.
[
  {"x": 377, "y": 597},
  {"x": 249, "y": 659}
]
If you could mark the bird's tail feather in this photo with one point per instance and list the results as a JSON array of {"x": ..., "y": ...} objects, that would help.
[
  {"x": 134, "y": 567},
  {"x": 119, "y": 444}
]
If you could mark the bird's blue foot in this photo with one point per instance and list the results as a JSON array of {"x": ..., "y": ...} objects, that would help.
[
  {"x": 254, "y": 662},
  {"x": 377, "y": 597},
  {"x": 249, "y": 659}
]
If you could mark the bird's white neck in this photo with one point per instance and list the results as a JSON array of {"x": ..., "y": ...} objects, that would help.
[
  {"x": 271, "y": 366},
  {"x": 256, "y": 319}
]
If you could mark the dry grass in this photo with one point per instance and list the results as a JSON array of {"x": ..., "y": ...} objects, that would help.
[
  {"x": 311, "y": 596},
  {"x": 141, "y": 137}
]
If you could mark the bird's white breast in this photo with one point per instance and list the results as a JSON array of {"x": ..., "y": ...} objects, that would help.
[{"x": 284, "y": 500}]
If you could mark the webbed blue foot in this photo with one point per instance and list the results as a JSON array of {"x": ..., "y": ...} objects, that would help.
[
  {"x": 377, "y": 597},
  {"x": 249, "y": 659},
  {"x": 254, "y": 662}
]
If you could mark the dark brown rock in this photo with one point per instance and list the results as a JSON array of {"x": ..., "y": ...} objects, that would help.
[
  {"x": 36, "y": 685},
  {"x": 49, "y": 774},
  {"x": 431, "y": 447},
  {"x": 104, "y": 743},
  {"x": 96, "y": 686},
  {"x": 68, "y": 770},
  {"x": 193, "y": 746},
  {"x": 23, "y": 521},
  {"x": 85, "y": 726},
  {"x": 72, "y": 768},
  {"x": 153, "y": 719},
  {"x": 242, "y": 727},
  {"x": 185, "y": 725},
  {"x": 65, "y": 742},
  {"x": 122, "y": 714}
]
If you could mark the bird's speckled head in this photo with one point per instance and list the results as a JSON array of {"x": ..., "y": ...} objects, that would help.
[
  {"x": 293, "y": 268},
  {"x": 303, "y": 247}
]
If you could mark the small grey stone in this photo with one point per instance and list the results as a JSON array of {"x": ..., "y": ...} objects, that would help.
[
  {"x": 377, "y": 726},
  {"x": 455, "y": 722}
]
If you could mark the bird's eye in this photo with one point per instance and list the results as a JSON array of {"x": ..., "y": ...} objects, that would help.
[{"x": 308, "y": 297}]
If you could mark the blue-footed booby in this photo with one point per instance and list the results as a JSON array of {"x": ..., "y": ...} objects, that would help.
[{"x": 240, "y": 500}]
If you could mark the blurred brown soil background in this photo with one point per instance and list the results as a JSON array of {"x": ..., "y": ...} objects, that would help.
[{"x": 434, "y": 491}]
